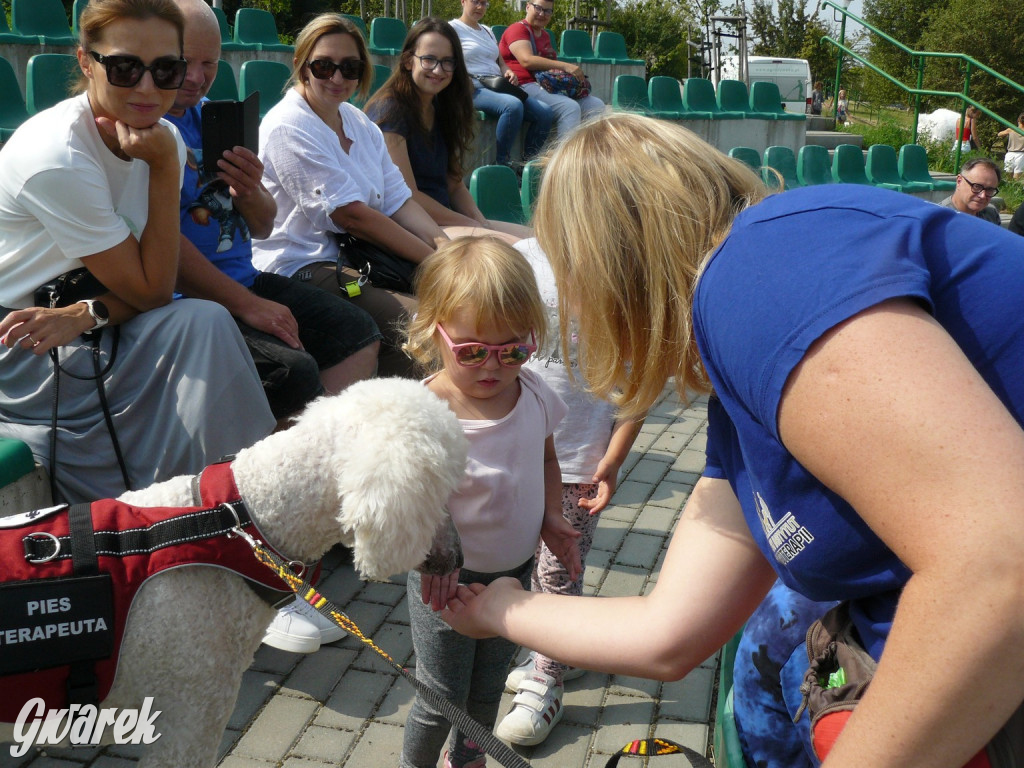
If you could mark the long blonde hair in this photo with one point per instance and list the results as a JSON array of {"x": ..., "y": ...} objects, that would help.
[
  {"x": 629, "y": 209},
  {"x": 484, "y": 274}
]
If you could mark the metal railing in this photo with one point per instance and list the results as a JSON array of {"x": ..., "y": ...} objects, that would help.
[{"x": 966, "y": 65}]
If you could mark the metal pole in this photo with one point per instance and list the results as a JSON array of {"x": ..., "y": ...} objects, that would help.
[{"x": 839, "y": 69}]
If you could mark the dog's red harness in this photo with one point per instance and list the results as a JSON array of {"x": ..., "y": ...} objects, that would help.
[{"x": 69, "y": 579}]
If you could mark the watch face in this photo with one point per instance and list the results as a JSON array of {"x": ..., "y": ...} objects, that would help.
[{"x": 99, "y": 309}]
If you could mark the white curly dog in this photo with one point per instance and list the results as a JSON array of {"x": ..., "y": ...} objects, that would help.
[{"x": 371, "y": 468}]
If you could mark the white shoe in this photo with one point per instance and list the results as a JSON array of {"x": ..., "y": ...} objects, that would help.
[
  {"x": 329, "y": 631},
  {"x": 536, "y": 709},
  {"x": 529, "y": 666},
  {"x": 291, "y": 631}
]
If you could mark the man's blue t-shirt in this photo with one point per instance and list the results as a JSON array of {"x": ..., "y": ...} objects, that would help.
[
  {"x": 208, "y": 218},
  {"x": 772, "y": 288},
  {"x": 428, "y": 152}
]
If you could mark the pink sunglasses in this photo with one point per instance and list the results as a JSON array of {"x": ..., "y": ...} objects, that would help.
[{"x": 473, "y": 354}]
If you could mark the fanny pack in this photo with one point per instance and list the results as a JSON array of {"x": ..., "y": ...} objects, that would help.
[
  {"x": 500, "y": 84},
  {"x": 840, "y": 671}
]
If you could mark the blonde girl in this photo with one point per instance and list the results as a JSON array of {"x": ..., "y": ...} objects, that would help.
[{"x": 480, "y": 318}]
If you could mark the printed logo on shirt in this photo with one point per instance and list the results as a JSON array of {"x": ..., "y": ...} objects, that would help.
[{"x": 787, "y": 538}]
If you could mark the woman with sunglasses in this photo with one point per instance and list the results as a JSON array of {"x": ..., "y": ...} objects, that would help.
[
  {"x": 92, "y": 185},
  {"x": 328, "y": 169},
  {"x": 526, "y": 47},
  {"x": 425, "y": 110},
  {"x": 864, "y": 437},
  {"x": 480, "y": 48}
]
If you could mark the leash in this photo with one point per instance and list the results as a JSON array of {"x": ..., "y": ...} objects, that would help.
[
  {"x": 657, "y": 747},
  {"x": 308, "y": 593}
]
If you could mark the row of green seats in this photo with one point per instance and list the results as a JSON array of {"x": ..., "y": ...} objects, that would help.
[
  {"x": 697, "y": 99},
  {"x": 905, "y": 171},
  {"x": 497, "y": 192}
]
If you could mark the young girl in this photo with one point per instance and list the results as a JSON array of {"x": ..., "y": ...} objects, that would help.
[
  {"x": 480, "y": 318},
  {"x": 591, "y": 445}
]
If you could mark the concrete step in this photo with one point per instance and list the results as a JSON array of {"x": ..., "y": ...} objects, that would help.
[{"x": 832, "y": 139}]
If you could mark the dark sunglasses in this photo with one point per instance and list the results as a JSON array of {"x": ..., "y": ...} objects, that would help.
[
  {"x": 126, "y": 71},
  {"x": 324, "y": 69},
  {"x": 473, "y": 354}
]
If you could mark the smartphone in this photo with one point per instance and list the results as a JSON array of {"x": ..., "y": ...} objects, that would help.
[{"x": 228, "y": 124}]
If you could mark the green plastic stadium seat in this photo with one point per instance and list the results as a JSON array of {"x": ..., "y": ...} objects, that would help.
[
  {"x": 728, "y": 752},
  {"x": 748, "y": 155},
  {"x": 733, "y": 97},
  {"x": 387, "y": 36},
  {"x": 612, "y": 45},
  {"x": 882, "y": 169},
  {"x": 574, "y": 45},
  {"x": 227, "y": 41},
  {"x": 257, "y": 29},
  {"x": 380, "y": 74},
  {"x": 12, "y": 106},
  {"x": 44, "y": 19},
  {"x": 224, "y": 87},
  {"x": 76, "y": 12},
  {"x": 49, "y": 78},
  {"x": 495, "y": 189},
  {"x": 666, "y": 99},
  {"x": 848, "y": 165},
  {"x": 629, "y": 94},
  {"x": 15, "y": 460},
  {"x": 358, "y": 21},
  {"x": 764, "y": 97},
  {"x": 498, "y": 30},
  {"x": 699, "y": 96},
  {"x": 532, "y": 173},
  {"x": 913, "y": 166},
  {"x": 9, "y": 38},
  {"x": 813, "y": 166},
  {"x": 266, "y": 77},
  {"x": 783, "y": 161}
]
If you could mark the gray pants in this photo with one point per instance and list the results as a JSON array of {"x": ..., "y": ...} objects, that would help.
[{"x": 469, "y": 673}]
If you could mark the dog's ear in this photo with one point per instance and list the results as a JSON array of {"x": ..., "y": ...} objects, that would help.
[{"x": 401, "y": 454}]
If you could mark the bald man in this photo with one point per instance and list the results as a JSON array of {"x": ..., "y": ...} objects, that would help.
[{"x": 305, "y": 342}]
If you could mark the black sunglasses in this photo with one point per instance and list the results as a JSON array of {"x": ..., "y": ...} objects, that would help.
[
  {"x": 324, "y": 69},
  {"x": 126, "y": 71}
]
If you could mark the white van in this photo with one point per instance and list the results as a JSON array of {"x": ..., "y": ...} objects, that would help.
[{"x": 793, "y": 76}]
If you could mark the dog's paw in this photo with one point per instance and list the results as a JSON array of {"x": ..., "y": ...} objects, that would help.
[{"x": 445, "y": 551}]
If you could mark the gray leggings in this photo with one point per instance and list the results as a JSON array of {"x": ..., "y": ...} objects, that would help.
[{"x": 469, "y": 673}]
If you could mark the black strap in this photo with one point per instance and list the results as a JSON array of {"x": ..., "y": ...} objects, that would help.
[
  {"x": 656, "y": 747},
  {"x": 195, "y": 526},
  {"x": 83, "y": 686}
]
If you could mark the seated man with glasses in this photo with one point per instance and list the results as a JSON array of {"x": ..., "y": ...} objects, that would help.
[{"x": 976, "y": 184}]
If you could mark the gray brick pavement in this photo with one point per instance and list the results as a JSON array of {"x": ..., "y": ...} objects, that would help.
[{"x": 344, "y": 706}]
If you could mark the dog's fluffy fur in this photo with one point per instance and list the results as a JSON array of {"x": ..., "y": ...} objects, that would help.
[{"x": 371, "y": 468}]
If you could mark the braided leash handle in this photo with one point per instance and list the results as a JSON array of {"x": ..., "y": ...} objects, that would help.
[
  {"x": 308, "y": 593},
  {"x": 656, "y": 747}
]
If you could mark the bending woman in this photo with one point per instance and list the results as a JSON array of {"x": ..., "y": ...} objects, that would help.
[
  {"x": 93, "y": 183},
  {"x": 864, "y": 435},
  {"x": 425, "y": 110},
  {"x": 328, "y": 169},
  {"x": 480, "y": 49}
]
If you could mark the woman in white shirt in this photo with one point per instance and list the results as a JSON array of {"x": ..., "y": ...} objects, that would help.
[
  {"x": 328, "y": 169},
  {"x": 480, "y": 49},
  {"x": 93, "y": 184}
]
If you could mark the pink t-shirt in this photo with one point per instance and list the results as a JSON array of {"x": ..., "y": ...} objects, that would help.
[
  {"x": 498, "y": 507},
  {"x": 521, "y": 31}
]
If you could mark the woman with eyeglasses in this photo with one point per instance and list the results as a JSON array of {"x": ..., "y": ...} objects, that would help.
[
  {"x": 328, "y": 169},
  {"x": 480, "y": 49},
  {"x": 89, "y": 190},
  {"x": 527, "y": 47},
  {"x": 425, "y": 110},
  {"x": 864, "y": 440}
]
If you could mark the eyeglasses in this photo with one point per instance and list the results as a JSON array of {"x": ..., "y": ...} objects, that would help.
[
  {"x": 980, "y": 189},
  {"x": 473, "y": 354},
  {"x": 430, "y": 63},
  {"x": 480, "y": 3},
  {"x": 126, "y": 71},
  {"x": 541, "y": 10},
  {"x": 324, "y": 69}
]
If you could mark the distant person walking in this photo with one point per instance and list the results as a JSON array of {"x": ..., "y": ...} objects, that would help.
[{"x": 817, "y": 98}]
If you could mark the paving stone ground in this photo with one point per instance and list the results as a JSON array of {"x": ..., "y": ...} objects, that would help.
[{"x": 344, "y": 706}]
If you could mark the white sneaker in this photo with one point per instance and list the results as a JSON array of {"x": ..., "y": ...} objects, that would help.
[
  {"x": 527, "y": 667},
  {"x": 291, "y": 631},
  {"x": 329, "y": 631},
  {"x": 536, "y": 709}
]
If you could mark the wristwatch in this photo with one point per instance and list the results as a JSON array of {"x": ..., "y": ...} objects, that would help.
[{"x": 97, "y": 311}]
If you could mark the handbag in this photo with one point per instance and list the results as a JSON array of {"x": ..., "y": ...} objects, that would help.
[
  {"x": 500, "y": 84},
  {"x": 839, "y": 673},
  {"x": 558, "y": 81},
  {"x": 381, "y": 268},
  {"x": 69, "y": 288}
]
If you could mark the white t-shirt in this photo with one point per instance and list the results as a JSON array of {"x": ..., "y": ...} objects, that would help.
[
  {"x": 498, "y": 507},
  {"x": 479, "y": 47},
  {"x": 64, "y": 195},
  {"x": 583, "y": 435},
  {"x": 309, "y": 175}
]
